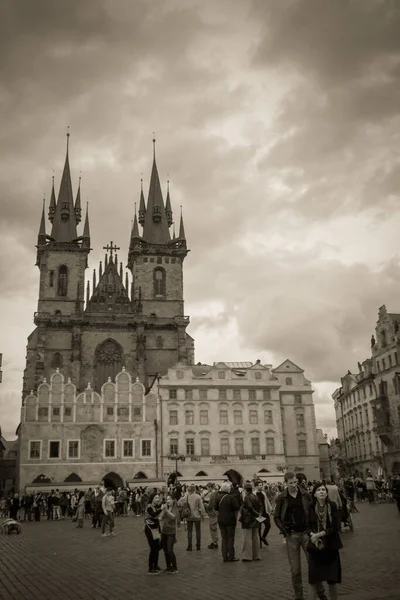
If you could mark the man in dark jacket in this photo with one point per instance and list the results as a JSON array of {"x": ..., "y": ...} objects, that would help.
[
  {"x": 396, "y": 490},
  {"x": 291, "y": 518},
  {"x": 227, "y": 503}
]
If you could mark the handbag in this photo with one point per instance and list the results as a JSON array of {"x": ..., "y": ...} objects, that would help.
[{"x": 316, "y": 548}]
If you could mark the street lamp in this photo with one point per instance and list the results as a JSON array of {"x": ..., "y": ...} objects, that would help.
[{"x": 176, "y": 457}]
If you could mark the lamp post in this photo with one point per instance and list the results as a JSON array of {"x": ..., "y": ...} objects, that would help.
[{"x": 176, "y": 457}]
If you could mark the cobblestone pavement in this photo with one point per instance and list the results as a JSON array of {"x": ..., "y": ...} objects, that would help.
[{"x": 57, "y": 561}]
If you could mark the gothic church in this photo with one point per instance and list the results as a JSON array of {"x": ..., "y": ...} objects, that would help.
[{"x": 73, "y": 402}]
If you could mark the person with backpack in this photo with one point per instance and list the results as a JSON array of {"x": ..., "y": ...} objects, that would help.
[
  {"x": 192, "y": 508},
  {"x": 226, "y": 504}
]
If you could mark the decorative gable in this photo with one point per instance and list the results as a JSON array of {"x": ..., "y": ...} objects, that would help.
[
  {"x": 288, "y": 367},
  {"x": 110, "y": 295}
]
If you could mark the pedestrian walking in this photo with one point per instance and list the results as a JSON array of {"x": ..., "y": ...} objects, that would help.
[
  {"x": 291, "y": 518},
  {"x": 80, "y": 512},
  {"x": 324, "y": 544},
  {"x": 266, "y": 510},
  {"x": 208, "y": 502},
  {"x": 197, "y": 514},
  {"x": 226, "y": 504},
  {"x": 108, "y": 510},
  {"x": 250, "y": 518}
]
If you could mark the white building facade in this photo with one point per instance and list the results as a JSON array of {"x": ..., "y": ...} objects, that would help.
[{"x": 237, "y": 420}]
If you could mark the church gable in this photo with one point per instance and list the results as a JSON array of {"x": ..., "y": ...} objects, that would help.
[
  {"x": 288, "y": 367},
  {"x": 110, "y": 294}
]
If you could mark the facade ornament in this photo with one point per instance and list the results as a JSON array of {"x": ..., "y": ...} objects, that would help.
[{"x": 373, "y": 341}]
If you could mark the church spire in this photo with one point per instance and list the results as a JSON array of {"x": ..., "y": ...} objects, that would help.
[
  {"x": 142, "y": 205},
  {"x": 155, "y": 228},
  {"x": 78, "y": 207},
  {"x": 182, "y": 235},
  {"x": 52, "y": 205},
  {"x": 135, "y": 228},
  {"x": 168, "y": 208},
  {"x": 64, "y": 224},
  {"x": 42, "y": 227},
  {"x": 86, "y": 228},
  {"x": 42, "y": 237}
]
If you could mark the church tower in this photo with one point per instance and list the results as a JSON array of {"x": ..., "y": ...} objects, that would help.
[
  {"x": 133, "y": 320},
  {"x": 62, "y": 258},
  {"x": 155, "y": 259}
]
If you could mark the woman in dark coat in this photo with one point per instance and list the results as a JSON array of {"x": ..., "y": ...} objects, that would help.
[
  {"x": 325, "y": 543},
  {"x": 249, "y": 512}
]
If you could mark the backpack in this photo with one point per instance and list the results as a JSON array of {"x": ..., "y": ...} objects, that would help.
[{"x": 184, "y": 511}]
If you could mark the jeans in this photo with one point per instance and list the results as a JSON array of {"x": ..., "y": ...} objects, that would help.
[
  {"x": 190, "y": 533},
  {"x": 294, "y": 542},
  {"x": 167, "y": 541},
  {"x": 56, "y": 512},
  {"x": 251, "y": 544},
  {"x": 267, "y": 526},
  {"x": 154, "y": 549},
  {"x": 108, "y": 519},
  {"x": 213, "y": 526},
  {"x": 97, "y": 515},
  {"x": 227, "y": 541}
]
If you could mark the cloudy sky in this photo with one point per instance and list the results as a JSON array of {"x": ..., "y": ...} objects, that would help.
[{"x": 277, "y": 124}]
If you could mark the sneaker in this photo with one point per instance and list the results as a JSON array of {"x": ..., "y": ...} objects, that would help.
[
  {"x": 173, "y": 571},
  {"x": 152, "y": 572},
  {"x": 158, "y": 569},
  {"x": 112, "y": 533},
  {"x": 104, "y": 535},
  {"x": 212, "y": 546}
]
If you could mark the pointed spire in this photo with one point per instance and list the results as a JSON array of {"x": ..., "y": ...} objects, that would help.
[
  {"x": 100, "y": 270},
  {"x": 121, "y": 273},
  {"x": 94, "y": 279},
  {"x": 182, "y": 235},
  {"x": 126, "y": 281},
  {"x": 86, "y": 229},
  {"x": 135, "y": 228},
  {"x": 173, "y": 231},
  {"x": 52, "y": 205},
  {"x": 87, "y": 293},
  {"x": 142, "y": 205},
  {"x": 155, "y": 229},
  {"x": 64, "y": 224},
  {"x": 42, "y": 228},
  {"x": 168, "y": 208},
  {"x": 78, "y": 208}
]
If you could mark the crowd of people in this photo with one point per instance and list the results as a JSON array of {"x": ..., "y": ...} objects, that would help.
[{"x": 308, "y": 515}]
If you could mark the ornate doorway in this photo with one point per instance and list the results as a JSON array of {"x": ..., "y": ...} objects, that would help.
[{"x": 108, "y": 362}]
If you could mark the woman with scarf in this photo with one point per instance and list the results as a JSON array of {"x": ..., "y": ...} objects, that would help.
[
  {"x": 152, "y": 533},
  {"x": 325, "y": 543}
]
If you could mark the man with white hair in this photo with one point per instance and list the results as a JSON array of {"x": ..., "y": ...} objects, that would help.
[
  {"x": 227, "y": 503},
  {"x": 197, "y": 514}
]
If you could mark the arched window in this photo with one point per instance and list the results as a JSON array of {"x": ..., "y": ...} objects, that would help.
[
  {"x": 57, "y": 361},
  {"x": 62, "y": 287},
  {"x": 289, "y": 381},
  {"x": 159, "y": 282},
  {"x": 108, "y": 362}
]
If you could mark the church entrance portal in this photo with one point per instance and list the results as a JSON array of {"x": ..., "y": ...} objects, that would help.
[{"x": 112, "y": 480}]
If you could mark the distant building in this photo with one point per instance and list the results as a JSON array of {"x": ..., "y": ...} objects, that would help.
[
  {"x": 238, "y": 420},
  {"x": 324, "y": 458},
  {"x": 8, "y": 465},
  {"x": 367, "y": 405}
]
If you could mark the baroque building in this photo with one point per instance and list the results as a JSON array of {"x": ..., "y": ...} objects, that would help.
[
  {"x": 238, "y": 420},
  {"x": 128, "y": 322},
  {"x": 367, "y": 405}
]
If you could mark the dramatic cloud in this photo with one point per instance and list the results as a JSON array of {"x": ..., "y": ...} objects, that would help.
[{"x": 277, "y": 124}]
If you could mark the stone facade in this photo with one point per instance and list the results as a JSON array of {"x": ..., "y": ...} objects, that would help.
[
  {"x": 324, "y": 455},
  {"x": 367, "y": 405},
  {"x": 112, "y": 435},
  {"x": 238, "y": 418}
]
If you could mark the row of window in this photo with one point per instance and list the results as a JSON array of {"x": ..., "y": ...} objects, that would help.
[
  {"x": 224, "y": 417},
  {"x": 74, "y": 449},
  {"x": 387, "y": 363},
  {"x": 235, "y": 394},
  {"x": 159, "y": 260},
  {"x": 56, "y": 411},
  {"x": 356, "y": 420},
  {"x": 225, "y": 446}
]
